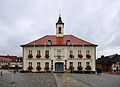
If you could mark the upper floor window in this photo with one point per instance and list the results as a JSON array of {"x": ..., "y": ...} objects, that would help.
[
  {"x": 71, "y": 51},
  {"x": 49, "y": 42},
  {"x": 59, "y": 30},
  {"x": 38, "y": 63},
  {"x": 68, "y": 42},
  {"x": 58, "y": 52},
  {"x": 79, "y": 52},
  {"x": 87, "y": 63},
  {"x": 71, "y": 63},
  {"x": 87, "y": 52},
  {"x": 30, "y": 64},
  {"x": 79, "y": 63},
  {"x": 38, "y": 52},
  {"x": 30, "y": 52},
  {"x": 46, "y": 64},
  {"x": 47, "y": 52}
]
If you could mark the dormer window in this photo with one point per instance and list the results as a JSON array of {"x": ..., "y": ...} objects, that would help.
[
  {"x": 68, "y": 42},
  {"x": 49, "y": 42},
  {"x": 59, "y": 30}
]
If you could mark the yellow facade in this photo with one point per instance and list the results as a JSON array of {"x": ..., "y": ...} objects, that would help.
[{"x": 64, "y": 56}]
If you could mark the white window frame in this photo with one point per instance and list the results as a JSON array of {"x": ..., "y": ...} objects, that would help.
[
  {"x": 30, "y": 64},
  {"x": 68, "y": 42},
  {"x": 87, "y": 52},
  {"x": 79, "y": 52},
  {"x": 38, "y": 52},
  {"x": 30, "y": 52},
  {"x": 87, "y": 63},
  {"x": 71, "y": 63},
  {"x": 79, "y": 63},
  {"x": 38, "y": 64},
  {"x": 58, "y": 52},
  {"x": 47, "y": 52},
  {"x": 49, "y": 42},
  {"x": 46, "y": 64},
  {"x": 71, "y": 52}
]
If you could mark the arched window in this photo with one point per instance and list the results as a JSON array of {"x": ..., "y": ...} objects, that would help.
[
  {"x": 68, "y": 42},
  {"x": 49, "y": 42}
]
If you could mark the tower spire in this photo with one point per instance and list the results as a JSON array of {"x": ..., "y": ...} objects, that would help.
[
  {"x": 59, "y": 19},
  {"x": 59, "y": 26}
]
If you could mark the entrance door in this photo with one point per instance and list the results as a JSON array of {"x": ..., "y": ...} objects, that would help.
[{"x": 59, "y": 67}]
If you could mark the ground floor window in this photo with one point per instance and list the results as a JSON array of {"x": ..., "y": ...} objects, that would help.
[
  {"x": 30, "y": 64},
  {"x": 71, "y": 63},
  {"x": 87, "y": 63},
  {"x": 79, "y": 63},
  {"x": 46, "y": 64},
  {"x": 38, "y": 64}
]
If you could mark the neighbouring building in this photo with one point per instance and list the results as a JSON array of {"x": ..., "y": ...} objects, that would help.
[
  {"x": 16, "y": 63},
  {"x": 59, "y": 53},
  {"x": 11, "y": 61},
  {"x": 4, "y": 61},
  {"x": 105, "y": 62}
]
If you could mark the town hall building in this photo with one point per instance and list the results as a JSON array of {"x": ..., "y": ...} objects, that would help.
[{"x": 59, "y": 53}]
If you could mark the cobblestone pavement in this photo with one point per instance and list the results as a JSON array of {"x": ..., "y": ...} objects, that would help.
[
  {"x": 9, "y": 79},
  {"x": 103, "y": 80},
  {"x": 64, "y": 80},
  {"x": 27, "y": 80}
]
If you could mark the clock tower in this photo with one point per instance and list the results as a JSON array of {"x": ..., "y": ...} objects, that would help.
[{"x": 59, "y": 27}]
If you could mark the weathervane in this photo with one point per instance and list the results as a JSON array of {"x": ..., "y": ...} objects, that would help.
[{"x": 59, "y": 12}]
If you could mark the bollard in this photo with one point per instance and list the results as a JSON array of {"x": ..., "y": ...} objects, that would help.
[
  {"x": 1, "y": 73},
  {"x": 117, "y": 69},
  {"x": 14, "y": 71},
  {"x": 110, "y": 69}
]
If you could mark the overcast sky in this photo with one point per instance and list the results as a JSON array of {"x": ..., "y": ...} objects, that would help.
[{"x": 96, "y": 21}]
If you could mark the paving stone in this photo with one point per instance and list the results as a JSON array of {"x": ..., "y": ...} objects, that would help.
[
  {"x": 103, "y": 80},
  {"x": 64, "y": 80},
  {"x": 27, "y": 80}
]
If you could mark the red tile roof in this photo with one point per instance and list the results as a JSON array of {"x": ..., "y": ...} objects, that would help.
[
  {"x": 10, "y": 57},
  {"x": 59, "y": 41},
  {"x": 5, "y": 59}
]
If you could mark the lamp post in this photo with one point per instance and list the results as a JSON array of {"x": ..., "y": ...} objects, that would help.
[{"x": 1, "y": 73}]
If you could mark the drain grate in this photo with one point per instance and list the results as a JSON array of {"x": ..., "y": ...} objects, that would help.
[{"x": 13, "y": 83}]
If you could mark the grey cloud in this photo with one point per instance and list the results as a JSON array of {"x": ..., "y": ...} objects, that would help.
[{"x": 22, "y": 21}]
